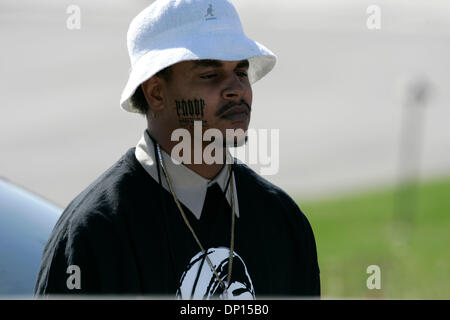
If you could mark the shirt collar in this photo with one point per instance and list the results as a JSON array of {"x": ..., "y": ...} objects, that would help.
[{"x": 189, "y": 187}]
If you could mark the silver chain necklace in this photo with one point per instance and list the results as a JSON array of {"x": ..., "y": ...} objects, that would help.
[{"x": 230, "y": 259}]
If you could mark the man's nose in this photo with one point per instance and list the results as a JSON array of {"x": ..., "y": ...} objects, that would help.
[{"x": 234, "y": 89}]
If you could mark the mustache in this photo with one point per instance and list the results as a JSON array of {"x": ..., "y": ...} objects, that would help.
[{"x": 230, "y": 105}]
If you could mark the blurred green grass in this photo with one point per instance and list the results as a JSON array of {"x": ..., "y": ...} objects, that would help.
[{"x": 359, "y": 230}]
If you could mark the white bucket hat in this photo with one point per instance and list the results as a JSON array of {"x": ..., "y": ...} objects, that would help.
[{"x": 171, "y": 31}]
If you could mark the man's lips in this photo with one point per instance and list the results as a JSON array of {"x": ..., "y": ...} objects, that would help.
[{"x": 239, "y": 112}]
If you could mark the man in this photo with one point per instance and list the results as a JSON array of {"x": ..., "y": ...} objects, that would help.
[{"x": 161, "y": 221}]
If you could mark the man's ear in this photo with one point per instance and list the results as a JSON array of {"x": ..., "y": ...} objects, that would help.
[{"x": 153, "y": 93}]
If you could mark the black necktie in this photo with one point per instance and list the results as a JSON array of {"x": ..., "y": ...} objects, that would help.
[{"x": 215, "y": 203}]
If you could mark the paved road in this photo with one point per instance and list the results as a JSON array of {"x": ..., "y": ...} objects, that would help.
[{"x": 333, "y": 95}]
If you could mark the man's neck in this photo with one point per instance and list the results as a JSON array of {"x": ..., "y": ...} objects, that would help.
[{"x": 207, "y": 171}]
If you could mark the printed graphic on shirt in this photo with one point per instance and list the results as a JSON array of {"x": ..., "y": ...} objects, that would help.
[{"x": 199, "y": 282}]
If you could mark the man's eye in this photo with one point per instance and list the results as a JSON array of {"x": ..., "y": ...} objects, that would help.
[
  {"x": 242, "y": 74},
  {"x": 208, "y": 76}
]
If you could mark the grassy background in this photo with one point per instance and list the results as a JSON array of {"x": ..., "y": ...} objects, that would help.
[{"x": 412, "y": 249}]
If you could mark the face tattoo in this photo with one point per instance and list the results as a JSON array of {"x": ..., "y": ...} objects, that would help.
[{"x": 189, "y": 111}]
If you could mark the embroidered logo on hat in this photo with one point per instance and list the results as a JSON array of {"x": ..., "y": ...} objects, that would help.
[{"x": 209, "y": 13}]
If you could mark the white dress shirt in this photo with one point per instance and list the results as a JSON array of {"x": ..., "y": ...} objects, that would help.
[{"x": 189, "y": 187}]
